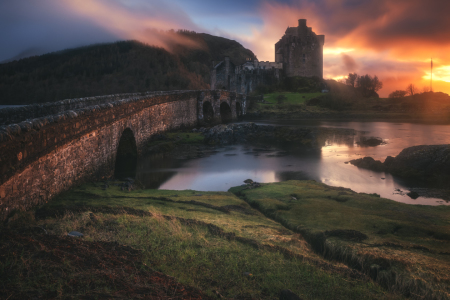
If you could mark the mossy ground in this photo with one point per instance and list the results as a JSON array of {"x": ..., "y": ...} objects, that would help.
[
  {"x": 207, "y": 240},
  {"x": 405, "y": 247}
]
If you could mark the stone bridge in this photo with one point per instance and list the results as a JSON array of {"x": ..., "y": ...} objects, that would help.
[{"x": 46, "y": 149}]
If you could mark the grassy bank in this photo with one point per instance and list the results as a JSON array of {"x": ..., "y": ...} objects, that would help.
[
  {"x": 290, "y": 97},
  {"x": 403, "y": 247},
  {"x": 209, "y": 241},
  {"x": 344, "y": 104}
]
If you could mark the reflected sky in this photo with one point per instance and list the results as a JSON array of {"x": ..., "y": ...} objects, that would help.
[{"x": 231, "y": 166}]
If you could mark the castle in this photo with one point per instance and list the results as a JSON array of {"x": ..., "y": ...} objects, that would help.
[{"x": 298, "y": 53}]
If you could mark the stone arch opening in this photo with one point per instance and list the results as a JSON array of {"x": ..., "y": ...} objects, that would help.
[
  {"x": 225, "y": 112},
  {"x": 208, "y": 112},
  {"x": 238, "y": 110},
  {"x": 126, "y": 158}
]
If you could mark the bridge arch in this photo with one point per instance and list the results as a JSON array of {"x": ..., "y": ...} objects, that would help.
[
  {"x": 225, "y": 112},
  {"x": 71, "y": 142},
  {"x": 208, "y": 112},
  {"x": 126, "y": 156}
]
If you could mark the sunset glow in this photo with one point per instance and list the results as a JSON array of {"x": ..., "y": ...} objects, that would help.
[{"x": 391, "y": 39}]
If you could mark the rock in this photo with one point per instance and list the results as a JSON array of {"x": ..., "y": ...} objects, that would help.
[
  {"x": 75, "y": 234},
  {"x": 430, "y": 163},
  {"x": 370, "y": 142},
  {"x": 248, "y": 181},
  {"x": 413, "y": 195},
  {"x": 288, "y": 295},
  {"x": 368, "y": 163}
]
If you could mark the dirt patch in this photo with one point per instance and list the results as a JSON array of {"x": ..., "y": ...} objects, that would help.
[{"x": 89, "y": 270}]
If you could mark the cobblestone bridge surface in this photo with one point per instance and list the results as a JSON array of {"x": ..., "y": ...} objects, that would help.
[{"x": 46, "y": 149}]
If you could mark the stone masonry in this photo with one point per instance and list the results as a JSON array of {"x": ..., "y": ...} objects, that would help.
[
  {"x": 42, "y": 157},
  {"x": 298, "y": 53}
]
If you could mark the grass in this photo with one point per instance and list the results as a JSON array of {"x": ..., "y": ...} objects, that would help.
[
  {"x": 206, "y": 240},
  {"x": 168, "y": 141},
  {"x": 291, "y": 98},
  {"x": 403, "y": 247}
]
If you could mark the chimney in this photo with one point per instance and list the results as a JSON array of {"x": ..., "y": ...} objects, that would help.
[{"x": 302, "y": 23}]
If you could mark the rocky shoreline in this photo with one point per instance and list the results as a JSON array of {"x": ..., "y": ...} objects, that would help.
[
  {"x": 426, "y": 163},
  {"x": 300, "y": 137}
]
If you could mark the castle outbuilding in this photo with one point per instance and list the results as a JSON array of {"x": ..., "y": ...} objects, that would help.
[{"x": 298, "y": 53}]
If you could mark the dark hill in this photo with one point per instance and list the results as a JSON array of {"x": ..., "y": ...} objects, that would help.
[{"x": 121, "y": 67}]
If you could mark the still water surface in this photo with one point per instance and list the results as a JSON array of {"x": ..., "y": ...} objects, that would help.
[{"x": 229, "y": 166}]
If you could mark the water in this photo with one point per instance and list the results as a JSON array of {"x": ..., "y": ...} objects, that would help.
[
  {"x": 5, "y": 106},
  {"x": 229, "y": 166}
]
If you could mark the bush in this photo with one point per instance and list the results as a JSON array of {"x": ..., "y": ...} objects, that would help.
[{"x": 397, "y": 94}]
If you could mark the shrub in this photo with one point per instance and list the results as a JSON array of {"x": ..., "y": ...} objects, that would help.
[{"x": 397, "y": 94}]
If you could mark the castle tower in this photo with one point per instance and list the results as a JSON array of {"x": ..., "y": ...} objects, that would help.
[{"x": 301, "y": 51}]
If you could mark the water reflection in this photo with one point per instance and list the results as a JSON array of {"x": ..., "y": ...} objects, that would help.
[{"x": 231, "y": 166}]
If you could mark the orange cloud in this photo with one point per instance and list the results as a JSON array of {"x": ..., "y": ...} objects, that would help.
[
  {"x": 126, "y": 23},
  {"x": 391, "y": 39}
]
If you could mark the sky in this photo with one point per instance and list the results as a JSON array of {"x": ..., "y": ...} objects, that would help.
[{"x": 394, "y": 40}]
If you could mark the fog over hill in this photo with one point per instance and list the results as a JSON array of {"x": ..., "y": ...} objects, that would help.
[{"x": 120, "y": 67}]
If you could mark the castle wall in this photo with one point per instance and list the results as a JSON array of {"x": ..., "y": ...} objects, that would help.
[
  {"x": 49, "y": 155},
  {"x": 298, "y": 53}
]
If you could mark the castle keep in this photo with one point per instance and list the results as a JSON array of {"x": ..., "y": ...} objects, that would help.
[{"x": 298, "y": 53}]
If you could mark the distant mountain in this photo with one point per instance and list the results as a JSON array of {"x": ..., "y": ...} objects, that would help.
[
  {"x": 121, "y": 67},
  {"x": 24, "y": 54}
]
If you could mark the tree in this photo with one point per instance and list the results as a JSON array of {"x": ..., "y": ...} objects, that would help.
[
  {"x": 425, "y": 89},
  {"x": 351, "y": 79},
  {"x": 411, "y": 89},
  {"x": 369, "y": 85},
  {"x": 397, "y": 94}
]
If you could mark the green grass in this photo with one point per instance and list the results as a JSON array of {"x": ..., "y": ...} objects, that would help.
[
  {"x": 198, "y": 254},
  {"x": 292, "y": 98},
  {"x": 409, "y": 241},
  {"x": 173, "y": 139}
]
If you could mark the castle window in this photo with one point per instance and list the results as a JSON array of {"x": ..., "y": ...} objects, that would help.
[{"x": 304, "y": 58}]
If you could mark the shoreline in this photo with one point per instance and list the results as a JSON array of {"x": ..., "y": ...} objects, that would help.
[
  {"x": 206, "y": 240},
  {"x": 435, "y": 119}
]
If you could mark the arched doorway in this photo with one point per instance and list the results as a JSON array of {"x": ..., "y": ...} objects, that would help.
[
  {"x": 126, "y": 158},
  {"x": 225, "y": 112},
  {"x": 208, "y": 112},
  {"x": 238, "y": 110}
]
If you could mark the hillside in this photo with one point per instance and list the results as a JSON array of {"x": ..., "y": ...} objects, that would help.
[{"x": 121, "y": 67}]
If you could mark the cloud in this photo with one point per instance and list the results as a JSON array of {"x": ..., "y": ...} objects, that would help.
[
  {"x": 349, "y": 63},
  {"x": 391, "y": 39},
  {"x": 58, "y": 24}
]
